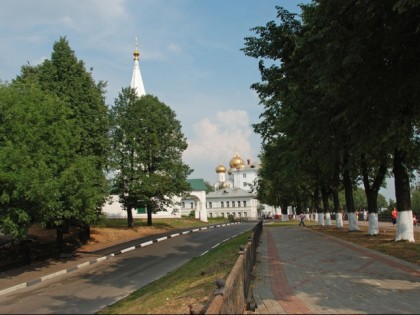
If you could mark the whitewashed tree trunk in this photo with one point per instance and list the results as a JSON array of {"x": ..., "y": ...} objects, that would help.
[
  {"x": 321, "y": 219},
  {"x": 284, "y": 217},
  {"x": 339, "y": 220},
  {"x": 328, "y": 218},
  {"x": 307, "y": 217},
  {"x": 353, "y": 224},
  {"x": 373, "y": 228},
  {"x": 405, "y": 230}
]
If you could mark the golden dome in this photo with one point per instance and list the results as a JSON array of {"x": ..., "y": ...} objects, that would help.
[
  {"x": 236, "y": 161},
  {"x": 220, "y": 169},
  {"x": 242, "y": 165}
]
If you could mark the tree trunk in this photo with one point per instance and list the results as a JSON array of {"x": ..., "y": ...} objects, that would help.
[
  {"x": 372, "y": 193},
  {"x": 149, "y": 216},
  {"x": 59, "y": 233},
  {"x": 336, "y": 201},
  {"x": 130, "y": 222},
  {"x": 372, "y": 190},
  {"x": 348, "y": 192},
  {"x": 326, "y": 204},
  {"x": 402, "y": 194},
  {"x": 337, "y": 210}
]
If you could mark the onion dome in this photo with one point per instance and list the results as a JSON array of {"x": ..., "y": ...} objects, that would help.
[
  {"x": 220, "y": 169},
  {"x": 236, "y": 161}
]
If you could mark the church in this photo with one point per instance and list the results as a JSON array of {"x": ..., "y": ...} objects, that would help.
[{"x": 232, "y": 196}]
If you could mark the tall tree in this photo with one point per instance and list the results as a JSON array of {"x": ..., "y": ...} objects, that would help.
[
  {"x": 36, "y": 147},
  {"x": 147, "y": 147},
  {"x": 83, "y": 191}
]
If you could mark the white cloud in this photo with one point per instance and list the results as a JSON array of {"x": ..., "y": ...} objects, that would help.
[
  {"x": 216, "y": 140},
  {"x": 233, "y": 118}
]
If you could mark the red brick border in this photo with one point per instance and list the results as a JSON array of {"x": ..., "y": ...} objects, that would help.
[{"x": 279, "y": 284}]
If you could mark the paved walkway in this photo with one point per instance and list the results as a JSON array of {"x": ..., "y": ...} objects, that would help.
[{"x": 300, "y": 271}]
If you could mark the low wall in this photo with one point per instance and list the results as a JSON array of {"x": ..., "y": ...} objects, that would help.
[{"x": 231, "y": 295}]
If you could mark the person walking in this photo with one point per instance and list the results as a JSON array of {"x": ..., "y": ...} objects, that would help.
[
  {"x": 394, "y": 215},
  {"x": 302, "y": 219}
]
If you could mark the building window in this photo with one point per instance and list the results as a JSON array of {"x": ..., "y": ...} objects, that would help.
[
  {"x": 227, "y": 204},
  {"x": 183, "y": 204},
  {"x": 233, "y": 204},
  {"x": 211, "y": 215},
  {"x": 244, "y": 175},
  {"x": 244, "y": 214},
  {"x": 210, "y": 205},
  {"x": 222, "y": 214},
  {"x": 239, "y": 214},
  {"x": 222, "y": 204},
  {"x": 192, "y": 205},
  {"x": 244, "y": 204}
]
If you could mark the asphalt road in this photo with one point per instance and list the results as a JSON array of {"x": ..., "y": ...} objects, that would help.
[{"x": 90, "y": 289}]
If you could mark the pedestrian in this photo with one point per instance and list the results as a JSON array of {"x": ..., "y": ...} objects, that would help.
[
  {"x": 365, "y": 215},
  {"x": 302, "y": 218},
  {"x": 394, "y": 215}
]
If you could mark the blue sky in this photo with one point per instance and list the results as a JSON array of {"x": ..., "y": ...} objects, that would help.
[{"x": 190, "y": 59}]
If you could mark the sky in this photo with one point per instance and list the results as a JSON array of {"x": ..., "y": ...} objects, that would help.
[{"x": 190, "y": 58}]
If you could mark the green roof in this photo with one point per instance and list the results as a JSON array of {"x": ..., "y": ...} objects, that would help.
[{"x": 197, "y": 184}]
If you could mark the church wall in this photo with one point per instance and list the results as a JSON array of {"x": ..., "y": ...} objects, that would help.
[{"x": 114, "y": 209}]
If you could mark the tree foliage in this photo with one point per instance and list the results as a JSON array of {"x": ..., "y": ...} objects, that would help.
[
  {"x": 339, "y": 85},
  {"x": 147, "y": 147},
  {"x": 60, "y": 141}
]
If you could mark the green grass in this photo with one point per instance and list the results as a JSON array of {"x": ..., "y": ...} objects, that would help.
[{"x": 194, "y": 282}]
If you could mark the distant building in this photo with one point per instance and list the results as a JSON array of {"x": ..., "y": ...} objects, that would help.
[{"x": 234, "y": 194}]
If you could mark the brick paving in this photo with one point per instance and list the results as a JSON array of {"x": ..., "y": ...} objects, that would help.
[{"x": 300, "y": 271}]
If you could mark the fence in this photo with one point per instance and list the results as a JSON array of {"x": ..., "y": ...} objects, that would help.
[
  {"x": 231, "y": 295},
  {"x": 13, "y": 255}
]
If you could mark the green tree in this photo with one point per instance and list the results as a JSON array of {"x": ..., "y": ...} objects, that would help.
[
  {"x": 36, "y": 148},
  {"x": 79, "y": 178},
  {"x": 147, "y": 147}
]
